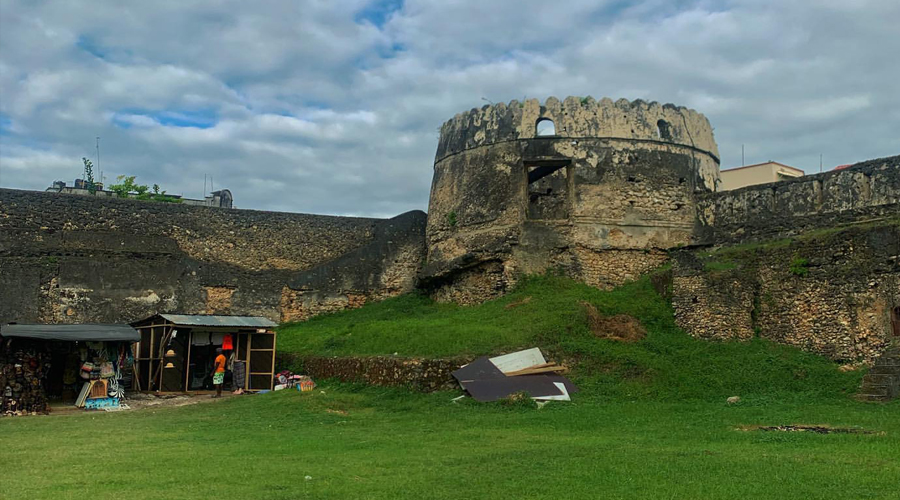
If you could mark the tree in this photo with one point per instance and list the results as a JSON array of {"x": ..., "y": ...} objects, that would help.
[
  {"x": 127, "y": 187},
  {"x": 89, "y": 175}
]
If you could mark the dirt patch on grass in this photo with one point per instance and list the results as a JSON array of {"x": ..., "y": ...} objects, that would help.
[
  {"x": 817, "y": 429},
  {"x": 621, "y": 327},
  {"x": 513, "y": 305}
]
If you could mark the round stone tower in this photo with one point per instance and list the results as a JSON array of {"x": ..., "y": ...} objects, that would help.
[{"x": 596, "y": 189}]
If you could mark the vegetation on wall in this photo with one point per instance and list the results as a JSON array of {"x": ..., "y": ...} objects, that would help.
[
  {"x": 128, "y": 188},
  {"x": 799, "y": 266},
  {"x": 89, "y": 176}
]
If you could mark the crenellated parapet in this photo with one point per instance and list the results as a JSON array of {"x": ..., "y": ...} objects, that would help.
[{"x": 577, "y": 117}]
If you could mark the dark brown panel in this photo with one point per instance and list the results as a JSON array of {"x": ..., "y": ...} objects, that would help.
[
  {"x": 262, "y": 341},
  {"x": 260, "y": 361},
  {"x": 260, "y": 382}
]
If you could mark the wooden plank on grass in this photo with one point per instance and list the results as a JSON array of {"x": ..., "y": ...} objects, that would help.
[
  {"x": 534, "y": 371},
  {"x": 519, "y": 360}
]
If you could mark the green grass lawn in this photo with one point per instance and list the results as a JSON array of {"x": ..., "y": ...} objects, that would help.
[
  {"x": 390, "y": 443},
  {"x": 650, "y": 421},
  {"x": 667, "y": 365}
]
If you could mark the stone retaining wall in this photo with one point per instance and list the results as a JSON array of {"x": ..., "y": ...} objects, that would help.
[
  {"x": 81, "y": 259},
  {"x": 830, "y": 292},
  {"x": 417, "y": 373}
]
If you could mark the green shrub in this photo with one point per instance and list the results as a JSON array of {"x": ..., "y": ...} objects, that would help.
[{"x": 799, "y": 266}]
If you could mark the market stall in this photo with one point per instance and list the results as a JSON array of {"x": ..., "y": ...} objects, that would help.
[
  {"x": 88, "y": 365},
  {"x": 176, "y": 352}
]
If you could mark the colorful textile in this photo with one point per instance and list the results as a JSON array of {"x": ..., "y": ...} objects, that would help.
[
  {"x": 240, "y": 372},
  {"x": 226, "y": 343},
  {"x": 219, "y": 378},
  {"x": 220, "y": 363}
]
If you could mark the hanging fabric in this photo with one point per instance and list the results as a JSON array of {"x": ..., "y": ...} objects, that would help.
[
  {"x": 226, "y": 342},
  {"x": 239, "y": 373},
  {"x": 200, "y": 338}
]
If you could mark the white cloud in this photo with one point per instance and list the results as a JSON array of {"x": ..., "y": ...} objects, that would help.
[{"x": 302, "y": 106}]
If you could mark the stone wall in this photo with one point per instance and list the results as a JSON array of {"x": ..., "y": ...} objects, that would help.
[
  {"x": 812, "y": 262},
  {"x": 415, "y": 373},
  {"x": 827, "y": 291},
  {"x": 601, "y": 200},
  {"x": 66, "y": 258},
  {"x": 865, "y": 191}
]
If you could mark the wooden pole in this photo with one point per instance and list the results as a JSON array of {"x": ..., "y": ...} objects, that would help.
[
  {"x": 150, "y": 358},
  {"x": 247, "y": 367},
  {"x": 166, "y": 335},
  {"x": 187, "y": 362},
  {"x": 272, "y": 378}
]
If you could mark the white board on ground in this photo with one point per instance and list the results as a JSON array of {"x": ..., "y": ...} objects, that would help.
[
  {"x": 519, "y": 360},
  {"x": 562, "y": 397}
]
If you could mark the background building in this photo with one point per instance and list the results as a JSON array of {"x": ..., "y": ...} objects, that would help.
[
  {"x": 761, "y": 173},
  {"x": 221, "y": 198}
]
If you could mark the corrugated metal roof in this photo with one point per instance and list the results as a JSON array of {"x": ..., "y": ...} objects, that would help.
[
  {"x": 84, "y": 332},
  {"x": 213, "y": 320}
]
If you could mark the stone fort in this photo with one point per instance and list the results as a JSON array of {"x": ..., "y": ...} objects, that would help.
[{"x": 603, "y": 191}]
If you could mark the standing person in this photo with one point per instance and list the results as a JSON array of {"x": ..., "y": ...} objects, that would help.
[{"x": 219, "y": 373}]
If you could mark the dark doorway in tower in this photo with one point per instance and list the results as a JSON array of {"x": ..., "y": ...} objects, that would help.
[
  {"x": 895, "y": 321},
  {"x": 548, "y": 189}
]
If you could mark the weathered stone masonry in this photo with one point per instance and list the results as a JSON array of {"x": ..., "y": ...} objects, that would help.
[
  {"x": 818, "y": 268},
  {"x": 618, "y": 189},
  {"x": 601, "y": 199},
  {"x": 66, "y": 258}
]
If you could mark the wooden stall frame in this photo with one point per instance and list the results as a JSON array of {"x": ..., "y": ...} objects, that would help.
[
  {"x": 272, "y": 350},
  {"x": 151, "y": 359},
  {"x": 156, "y": 356}
]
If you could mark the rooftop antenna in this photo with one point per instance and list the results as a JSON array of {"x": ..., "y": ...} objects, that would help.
[
  {"x": 485, "y": 99},
  {"x": 820, "y": 163},
  {"x": 98, "y": 160},
  {"x": 203, "y": 195},
  {"x": 742, "y": 155}
]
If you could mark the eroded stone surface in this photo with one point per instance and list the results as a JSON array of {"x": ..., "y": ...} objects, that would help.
[
  {"x": 80, "y": 259},
  {"x": 602, "y": 200}
]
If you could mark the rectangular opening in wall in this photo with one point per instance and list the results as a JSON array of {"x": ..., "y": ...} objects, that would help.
[
  {"x": 548, "y": 190},
  {"x": 895, "y": 321}
]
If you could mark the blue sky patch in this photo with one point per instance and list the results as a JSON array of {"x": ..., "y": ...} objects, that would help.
[
  {"x": 170, "y": 118},
  {"x": 378, "y": 12},
  {"x": 89, "y": 45},
  {"x": 5, "y": 125},
  {"x": 193, "y": 119}
]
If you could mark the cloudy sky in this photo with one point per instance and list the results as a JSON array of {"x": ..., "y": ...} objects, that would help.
[{"x": 333, "y": 106}]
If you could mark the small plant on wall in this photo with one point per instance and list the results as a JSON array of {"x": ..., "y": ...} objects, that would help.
[
  {"x": 451, "y": 219},
  {"x": 89, "y": 176},
  {"x": 799, "y": 266}
]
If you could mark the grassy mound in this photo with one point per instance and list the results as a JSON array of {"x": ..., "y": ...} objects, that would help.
[{"x": 547, "y": 311}]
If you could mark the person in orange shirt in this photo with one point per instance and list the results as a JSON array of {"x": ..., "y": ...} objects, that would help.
[{"x": 219, "y": 373}]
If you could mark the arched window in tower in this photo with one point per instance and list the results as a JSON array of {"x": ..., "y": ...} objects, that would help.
[
  {"x": 662, "y": 130},
  {"x": 545, "y": 126}
]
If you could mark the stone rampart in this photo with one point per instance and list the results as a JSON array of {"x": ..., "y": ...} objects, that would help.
[
  {"x": 67, "y": 258},
  {"x": 812, "y": 262},
  {"x": 577, "y": 117},
  {"x": 829, "y": 291},
  {"x": 864, "y": 191}
]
